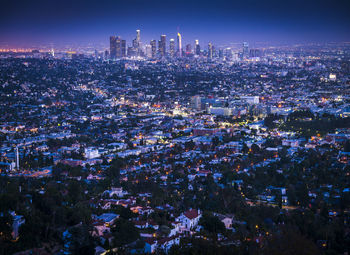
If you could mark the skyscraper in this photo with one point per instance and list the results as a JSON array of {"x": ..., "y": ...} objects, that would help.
[
  {"x": 148, "y": 49},
  {"x": 135, "y": 44},
  {"x": 172, "y": 47},
  {"x": 221, "y": 53},
  {"x": 162, "y": 45},
  {"x": 153, "y": 44},
  {"x": 179, "y": 44},
  {"x": 113, "y": 47},
  {"x": 118, "y": 43},
  {"x": 138, "y": 36},
  {"x": 197, "y": 48},
  {"x": 138, "y": 42},
  {"x": 188, "y": 49},
  {"x": 254, "y": 53},
  {"x": 210, "y": 51},
  {"x": 123, "y": 48},
  {"x": 245, "y": 50}
]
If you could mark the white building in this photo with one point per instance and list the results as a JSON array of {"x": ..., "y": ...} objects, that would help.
[
  {"x": 91, "y": 153},
  {"x": 224, "y": 111},
  {"x": 251, "y": 99},
  {"x": 189, "y": 219}
]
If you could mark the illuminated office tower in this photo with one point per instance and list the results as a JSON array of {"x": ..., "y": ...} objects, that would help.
[
  {"x": 172, "y": 47},
  {"x": 162, "y": 45},
  {"x": 197, "y": 48},
  {"x": 112, "y": 47},
  {"x": 179, "y": 44},
  {"x": 123, "y": 48},
  {"x": 254, "y": 53},
  {"x": 210, "y": 51},
  {"x": 153, "y": 44},
  {"x": 134, "y": 43},
  {"x": 188, "y": 49},
  {"x": 137, "y": 43},
  {"x": 221, "y": 53},
  {"x": 118, "y": 43},
  {"x": 138, "y": 36},
  {"x": 148, "y": 49},
  {"x": 245, "y": 50},
  {"x": 228, "y": 53}
]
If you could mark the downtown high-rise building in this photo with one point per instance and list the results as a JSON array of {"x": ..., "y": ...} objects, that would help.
[
  {"x": 254, "y": 53},
  {"x": 123, "y": 48},
  {"x": 153, "y": 44},
  {"x": 210, "y": 50},
  {"x": 148, "y": 51},
  {"x": 162, "y": 46},
  {"x": 245, "y": 50},
  {"x": 138, "y": 36},
  {"x": 136, "y": 43},
  {"x": 179, "y": 44},
  {"x": 112, "y": 47},
  {"x": 197, "y": 48},
  {"x": 172, "y": 47},
  {"x": 188, "y": 49},
  {"x": 117, "y": 47},
  {"x": 118, "y": 43}
]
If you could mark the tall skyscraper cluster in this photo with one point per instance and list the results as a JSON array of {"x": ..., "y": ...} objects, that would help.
[
  {"x": 158, "y": 49},
  {"x": 118, "y": 48}
]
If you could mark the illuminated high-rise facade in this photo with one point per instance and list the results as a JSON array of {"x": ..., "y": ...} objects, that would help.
[
  {"x": 153, "y": 44},
  {"x": 136, "y": 43},
  {"x": 245, "y": 50},
  {"x": 123, "y": 48},
  {"x": 118, "y": 43},
  {"x": 162, "y": 46},
  {"x": 179, "y": 44},
  {"x": 113, "y": 47},
  {"x": 188, "y": 49},
  {"x": 172, "y": 47},
  {"x": 117, "y": 47},
  {"x": 197, "y": 48},
  {"x": 210, "y": 51},
  {"x": 138, "y": 36},
  {"x": 148, "y": 51}
]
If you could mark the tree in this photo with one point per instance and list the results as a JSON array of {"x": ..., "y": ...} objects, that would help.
[
  {"x": 79, "y": 241},
  {"x": 6, "y": 226},
  {"x": 289, "y": 241},
  {"x": 124, "y": 232},
  {"x": 211, "y": 223}
]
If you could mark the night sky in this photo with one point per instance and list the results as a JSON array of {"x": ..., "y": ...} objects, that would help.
[{"x": 219, "y": 21}]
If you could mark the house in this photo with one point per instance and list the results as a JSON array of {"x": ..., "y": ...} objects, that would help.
[
  {"x": 175, "y": 228},
  {"x": 18, "y": 220},
  {"x": 166, "y": 243},
  {"x": 189, "y": 219},
  {"x": 99, "y": 228},
  {"x": 150, "y": 245},
  {"x": 108, "y": 218},
  {"x": 116, "y": 191},
  {"x": 226, "y": 219}
]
